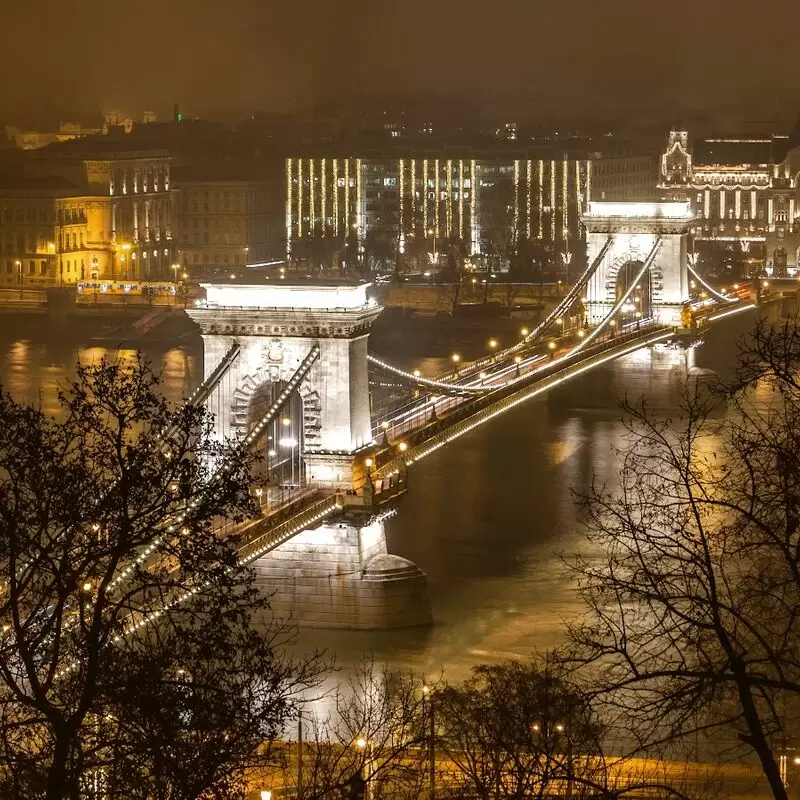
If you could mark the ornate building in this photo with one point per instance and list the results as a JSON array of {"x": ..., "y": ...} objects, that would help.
[
  {"x": 51, "y": 233},
  {"x": 744, "y": 192},
  {"x": 131, "y": 236}
]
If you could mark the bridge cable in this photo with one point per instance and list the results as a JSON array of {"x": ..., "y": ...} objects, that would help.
[
  {"x": 274, "y": 409},
  {"x": 447, "y": 387},
  {"x": 713, "y": 291},
  {"x": 565, "y": 304},
  {"x": 443, "y": 387},
  {"x": 204, "y": 390}
]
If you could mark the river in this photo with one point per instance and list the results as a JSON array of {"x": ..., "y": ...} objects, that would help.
[{"x": 488, "y": 518}]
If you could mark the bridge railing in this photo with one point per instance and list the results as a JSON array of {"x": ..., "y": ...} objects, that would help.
[{"x": 267, "y": 533}]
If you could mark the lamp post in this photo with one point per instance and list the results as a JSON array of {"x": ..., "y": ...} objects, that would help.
[
  {"x": 435, "y": 260},
  {"x": 566, "y": 257},
  {"x": 19, "y": 273}
]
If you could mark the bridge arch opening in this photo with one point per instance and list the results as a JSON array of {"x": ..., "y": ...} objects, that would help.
[
  {"x": 281, "y": 466},
  {"x": 639, "y": 304}
]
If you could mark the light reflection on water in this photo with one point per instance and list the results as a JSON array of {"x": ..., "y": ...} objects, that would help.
[{"x": 488, "y": 518}]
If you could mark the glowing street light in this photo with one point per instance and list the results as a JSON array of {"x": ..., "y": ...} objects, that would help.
[
  {"x": 361, "y": 743},
  {"x": 286, "y": 422},
  {"x": 524, "y": 332},
  {"x": 456, "y": 358}
]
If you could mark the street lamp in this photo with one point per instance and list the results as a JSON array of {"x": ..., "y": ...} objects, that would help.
[
  {"x": 19, "y": 273},
  {"x": 435, "y": 259},
  {"x": 455, "y": 358}
]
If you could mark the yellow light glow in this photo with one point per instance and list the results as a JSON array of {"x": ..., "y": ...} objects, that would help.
[
  {"x": 524, "y": 332},
  {"x": 402, "y": 447},
  {"x": 456, "y": 358},
  {"x": 368, "y": 462},
  {"x": 492, "y": 343},
  {"x": 551, "y": 345},
  {"x": 361, "y": 743}
]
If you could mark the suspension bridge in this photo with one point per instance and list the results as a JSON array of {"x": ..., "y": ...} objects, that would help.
[{"x": 287, "y": 371}]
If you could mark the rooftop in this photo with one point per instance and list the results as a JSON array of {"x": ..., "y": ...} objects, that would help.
[
  {"x": 666, "y": 211},
  {"x": 295, "y": 296},
  {"x": 739, "y": 151}
]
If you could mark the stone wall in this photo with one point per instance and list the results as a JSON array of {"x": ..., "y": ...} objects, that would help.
[{"x": 341, "y": 576}]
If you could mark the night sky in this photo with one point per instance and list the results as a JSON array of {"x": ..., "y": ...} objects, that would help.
[{"x": 573, "y": 58}]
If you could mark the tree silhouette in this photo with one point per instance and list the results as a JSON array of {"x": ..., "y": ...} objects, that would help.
[{"x": 137, "y": 658}]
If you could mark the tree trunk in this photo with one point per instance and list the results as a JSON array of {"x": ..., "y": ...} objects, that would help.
[{"x": 57, "y": 774}]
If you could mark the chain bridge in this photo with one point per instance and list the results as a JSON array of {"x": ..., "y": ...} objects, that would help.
[{"x": 287, "y": 371}]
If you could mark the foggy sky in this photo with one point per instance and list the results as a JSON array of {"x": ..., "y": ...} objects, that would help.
[{"x": 546, "y": 57}]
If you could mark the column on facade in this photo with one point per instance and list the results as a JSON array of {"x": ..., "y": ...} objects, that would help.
[
  {"x": 436, "y": 198},
  {"x": 553, "y": 201},
  {"x": 515, "y": 232},
  {"x": 425, "y": 196},
  {"x": 528, "y": 191},
  {"x": 335, "y": 187},
  {"x": 540, "y": 200},
  {"x": 460, "y": 198},
  {"x": 473, "y": 208},
  {"x": 449, "y": 199}
]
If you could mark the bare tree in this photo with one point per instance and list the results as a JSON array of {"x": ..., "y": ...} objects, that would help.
[
  {"x": 692, "y": 625},
  {"x": 369, "y": 742},
  {"x": 130, "y": 660},
  {"x": 515, "y": 730}
]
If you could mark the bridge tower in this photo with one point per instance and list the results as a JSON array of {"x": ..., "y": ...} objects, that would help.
[
  {"x": 640, "y": 232},
  {"x": 276, "y": 327},
  {"x": 294, "y": 359}
]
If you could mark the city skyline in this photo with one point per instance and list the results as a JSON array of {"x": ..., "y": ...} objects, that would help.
[{"x": 561, "y": 60}]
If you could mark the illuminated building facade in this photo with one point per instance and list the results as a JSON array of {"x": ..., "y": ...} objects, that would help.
[
  {"x": 51, "y": 234},
  {"x": 744, "y": 193},
  {"x": 418, "y": 207},
  {"x": 134, "y": 199}
]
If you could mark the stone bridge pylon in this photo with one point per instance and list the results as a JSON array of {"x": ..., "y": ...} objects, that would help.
[
  {"x": 639, "y": 231},
  {"x": 301, "y": 351}
]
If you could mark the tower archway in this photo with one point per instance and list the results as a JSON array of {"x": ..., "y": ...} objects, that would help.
[
  {"x": 281, "y": 445},
  {"x": 639, "y": 304}
]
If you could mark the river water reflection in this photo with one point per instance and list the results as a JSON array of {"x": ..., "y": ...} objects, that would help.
[{"x": 488, "y": 518}]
